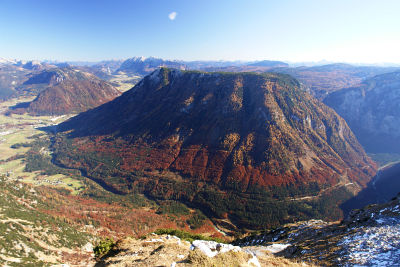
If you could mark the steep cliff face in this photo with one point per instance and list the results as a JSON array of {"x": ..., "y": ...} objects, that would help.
[
  {"x": 69, "y": 91},
  {"x": 239, "y": 133},
  {"x": 372, "y": 110}
]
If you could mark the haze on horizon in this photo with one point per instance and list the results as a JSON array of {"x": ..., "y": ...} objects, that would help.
[{"x": 352, "y": 31}]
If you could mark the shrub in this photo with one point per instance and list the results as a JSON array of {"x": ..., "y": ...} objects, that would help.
[
  {"x": 173, "y": 207},
  {"x": 197, "y": 220},
  {"x": 104, "y": 247}
]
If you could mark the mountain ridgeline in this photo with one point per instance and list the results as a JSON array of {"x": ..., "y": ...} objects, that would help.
[{"x": 249, "y": 150}]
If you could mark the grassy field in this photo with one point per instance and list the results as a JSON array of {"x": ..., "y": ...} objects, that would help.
[
  {"x": 14, "y": 136},
  {"x": 124, "y": 81},
  {"x": 20, "y": 129}
]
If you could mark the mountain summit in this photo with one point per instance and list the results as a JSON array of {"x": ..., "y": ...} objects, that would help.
[{"x": 246, "y": 148}]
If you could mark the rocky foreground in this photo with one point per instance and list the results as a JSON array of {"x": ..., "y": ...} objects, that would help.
[{"x": 167, "y": 250}]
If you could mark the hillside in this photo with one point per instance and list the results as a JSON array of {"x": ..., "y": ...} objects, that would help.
[
  {"x": 30, "y": 236},
  {"x": 221, "y": 142},
  {"x": 68, "y": 91},
  {"x": 372, "y": 111}
]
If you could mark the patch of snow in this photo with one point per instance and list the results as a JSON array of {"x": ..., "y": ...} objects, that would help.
[
  {"x": 88, "y": 247},
  {"x": 373, "y": 245},
  {"x": 380, "y": 221},
  {"x": 212, "y": 248},
  {"x": 254, "y": 261},
  {"x": 5, "y": 133},
  {"x": 275, "y": 248},
  {"x": 56, "y": 118}
]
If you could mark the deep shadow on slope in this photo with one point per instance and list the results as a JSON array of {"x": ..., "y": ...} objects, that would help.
[{"x": 384, "y": 187}]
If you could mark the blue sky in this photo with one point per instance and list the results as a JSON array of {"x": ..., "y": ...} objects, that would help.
[{"x": 291, "y": 30}]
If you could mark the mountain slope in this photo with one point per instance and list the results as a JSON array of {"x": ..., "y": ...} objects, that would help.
[
  {"x": 372, "y": 111},
  {"x": 31, "y": 236},
  {"x": 68, "y": 91},
  {"x": 220, "y": 141}
]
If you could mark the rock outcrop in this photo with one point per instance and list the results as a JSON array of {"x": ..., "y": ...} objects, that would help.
[{"x": 166, "y": 250}]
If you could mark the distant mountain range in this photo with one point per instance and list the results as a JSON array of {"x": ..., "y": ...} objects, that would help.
[
  {"x": 269, "y": 63},
  {"x": 245, "y": 148},
  {"x": 319, "y": 80},
  {"x": 142, "y": 65},
  {"x": 322, "y": 80}
]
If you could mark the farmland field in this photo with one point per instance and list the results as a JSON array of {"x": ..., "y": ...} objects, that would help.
[{"x": 17, "y": 132}]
